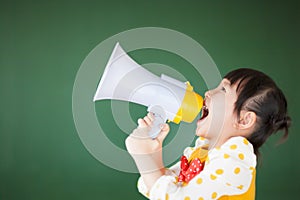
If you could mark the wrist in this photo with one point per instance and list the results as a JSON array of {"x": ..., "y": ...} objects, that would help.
[{"x": 147, "y": 163}]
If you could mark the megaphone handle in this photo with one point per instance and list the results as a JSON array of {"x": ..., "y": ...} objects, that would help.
[{"x": 159, "y": 119}]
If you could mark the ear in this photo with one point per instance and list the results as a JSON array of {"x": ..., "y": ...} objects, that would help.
[{"x": 247, "y": 120}]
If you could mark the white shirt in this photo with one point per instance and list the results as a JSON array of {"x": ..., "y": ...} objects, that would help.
[{"x": 228, "y": 170}]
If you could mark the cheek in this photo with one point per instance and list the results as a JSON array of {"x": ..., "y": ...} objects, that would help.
[
  {"x": 230, "y": 115},
  {"x": 229, "y": 111},
  {"x": 219, "y": 108},
  {"x": 221, "y": 116}
]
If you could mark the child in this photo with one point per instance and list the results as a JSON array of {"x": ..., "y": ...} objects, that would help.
[{"x": 237, "y": 118}]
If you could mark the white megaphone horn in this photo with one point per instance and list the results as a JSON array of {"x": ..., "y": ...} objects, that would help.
[{"x": 166, "y": 97}]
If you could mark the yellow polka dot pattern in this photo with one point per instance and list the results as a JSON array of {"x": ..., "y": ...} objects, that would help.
[
  {"x": 236, "y": 153},
  {"x": 237, "y": 170},
  {"x": 212, "y": 177},
  {"x": 219, "y": 171},
  {"x": 226, "y": 156},
  {"x": 199, "y": 180},
  {"x": 240, "y": 187},
  {"x": 167, "y": 196},
  {"x": 241, "y": 156},
  {"x": 214, "y": 195}
]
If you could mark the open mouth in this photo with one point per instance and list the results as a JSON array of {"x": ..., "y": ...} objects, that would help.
[{"x": 205, "y": 111}]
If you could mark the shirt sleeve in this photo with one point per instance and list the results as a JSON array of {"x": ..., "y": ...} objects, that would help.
[
  {"x": 170, "y": 173},
  {"x": 228, "y": 171}
]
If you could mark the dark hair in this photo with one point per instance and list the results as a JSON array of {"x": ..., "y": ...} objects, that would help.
[{"x": 258, "y": 93}]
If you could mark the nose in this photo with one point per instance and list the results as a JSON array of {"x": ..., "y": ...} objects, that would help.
[{"x": 207, "y": 94}]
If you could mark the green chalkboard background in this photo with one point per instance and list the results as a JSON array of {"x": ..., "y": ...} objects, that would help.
[{"x": 42, "y": 45}]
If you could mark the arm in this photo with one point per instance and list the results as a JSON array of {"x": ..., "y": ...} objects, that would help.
[{"x": 147, "y": 152}]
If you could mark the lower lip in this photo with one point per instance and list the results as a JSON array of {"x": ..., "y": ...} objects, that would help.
[{"x": 201, "y": 120}]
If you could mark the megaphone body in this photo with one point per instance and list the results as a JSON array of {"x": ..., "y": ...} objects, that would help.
[{"x": 166, "y": 97}]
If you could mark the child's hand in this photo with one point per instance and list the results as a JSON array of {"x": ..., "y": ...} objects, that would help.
[{"x": 139, "y": 142}]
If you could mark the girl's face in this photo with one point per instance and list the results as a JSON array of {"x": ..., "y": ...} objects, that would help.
[{"x": 218, "y": 119}]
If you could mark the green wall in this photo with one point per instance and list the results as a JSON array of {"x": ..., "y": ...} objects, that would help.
[{"x": 43, "y": 44}]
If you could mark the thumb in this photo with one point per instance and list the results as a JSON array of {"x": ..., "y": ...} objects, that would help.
[{"x": 164, "y": 132}]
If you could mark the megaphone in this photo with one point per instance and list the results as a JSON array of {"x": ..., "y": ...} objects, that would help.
[{"x": 167, "y": 98}]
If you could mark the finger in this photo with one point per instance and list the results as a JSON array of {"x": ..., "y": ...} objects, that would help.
[
  {"x": 142, "y": 123},
  {"x": 163, "y": 133},
  {"x": 148, "y": 120},
  {"x": 151, "y": 116},
  {"x": 165, "y": 127}
]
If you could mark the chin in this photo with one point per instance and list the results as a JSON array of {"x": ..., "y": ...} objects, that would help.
[{"x": 201, "y": 133}]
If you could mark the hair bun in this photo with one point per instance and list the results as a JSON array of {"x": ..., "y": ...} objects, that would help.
[{"x": 281, "y": 123}]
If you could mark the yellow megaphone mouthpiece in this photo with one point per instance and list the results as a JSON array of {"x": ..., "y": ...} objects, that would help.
[{"x": 190, "y": 107}]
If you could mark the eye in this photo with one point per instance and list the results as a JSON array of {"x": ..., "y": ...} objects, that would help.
[{"x": 223, "y": 89}]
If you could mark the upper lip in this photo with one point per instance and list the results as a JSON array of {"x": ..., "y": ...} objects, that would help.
[
  {"x": 205, "y": 103},
  {"x": 205, "y": 110}
]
